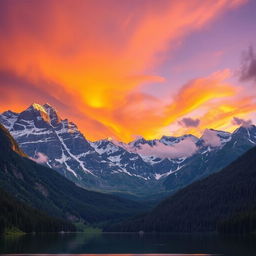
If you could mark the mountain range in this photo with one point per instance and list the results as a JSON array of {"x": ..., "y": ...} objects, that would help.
[
  {"x": 44, "y": 189},
  {"x": 224, "y": 201},
  {"x": 142, "y": 168},
  {"x": 204, "y": 195}
]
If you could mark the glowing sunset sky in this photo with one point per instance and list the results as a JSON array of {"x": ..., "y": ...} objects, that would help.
[{"x": 122, "y": 68}]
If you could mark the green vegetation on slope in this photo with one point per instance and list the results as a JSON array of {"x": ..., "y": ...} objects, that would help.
[
  {"x": 17, "y": 218},
  {"x": 205, "y": 203},
  {"x": 81, "y": 227},
  {"x": 244, "y": 222},
  {"x": 46, "y": 190}
]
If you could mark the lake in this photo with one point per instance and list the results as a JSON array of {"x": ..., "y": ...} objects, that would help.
[{"x": 129, "y": 243}]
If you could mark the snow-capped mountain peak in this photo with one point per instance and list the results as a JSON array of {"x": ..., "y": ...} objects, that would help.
[
  {"x": 35, "y": 113},
  {"x": 214, "y": 138},
  {"x": 140, "y": 141},
  {"x": 170, "y": 140},
  {"x": 104, "y": 146},
  {"x": 52, "y": 113},
  {"x": 247, "y": 132},
  {"x": 38, "y": 107},
  {"x": 8, "y": 118},
  {"x": 117, "y": 166}
]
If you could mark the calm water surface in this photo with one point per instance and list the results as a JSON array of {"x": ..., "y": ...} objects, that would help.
[{"x": 129, "y": 243}]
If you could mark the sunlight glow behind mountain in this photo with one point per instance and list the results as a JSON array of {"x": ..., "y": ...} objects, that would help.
[{"x": 108, "y": 64}]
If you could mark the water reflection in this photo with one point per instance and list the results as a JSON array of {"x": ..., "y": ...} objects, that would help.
[
  {"x": 109, "y": 254},
  {"x": 129, "y": 243}
]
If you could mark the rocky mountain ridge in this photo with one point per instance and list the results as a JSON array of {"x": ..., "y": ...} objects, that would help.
[{"x": 139, "y": 167}]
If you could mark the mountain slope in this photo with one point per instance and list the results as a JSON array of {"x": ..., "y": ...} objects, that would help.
[
  {"x": 45, "y": 189},
  {"x": 244, "y": 222},
  {"x": 210, "y": 159},
  {"x": 203, "y": 204},
  {"x": 143, "y": 168},
  {"x": 16, "y": 215},
  {"x": 102, "y": 166}
]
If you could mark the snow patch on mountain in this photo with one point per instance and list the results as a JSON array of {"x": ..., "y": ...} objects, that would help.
[
  {"x": 104, "y": 146},
  {"x": 182, "y": 147},
  {"x": 39, "y": 108},
  {"x": 214, "y": 138},
  {"x": 110, "y": 163},
  {"x": 163, "y": 175},
  {"x": 8, "y": 118},
  {"x": 40, "y": 158}
]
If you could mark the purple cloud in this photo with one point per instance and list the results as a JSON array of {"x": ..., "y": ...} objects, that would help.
[
  {"x": 248, "y": 66},
  {"x": 189, "y": 122},
  {"x": 242, "y": 122}
]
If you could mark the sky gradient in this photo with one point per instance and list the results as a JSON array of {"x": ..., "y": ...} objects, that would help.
[{"x": 124, "y": 69}]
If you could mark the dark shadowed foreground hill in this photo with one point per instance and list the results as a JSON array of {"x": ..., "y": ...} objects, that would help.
[
  {"x": 219, "y": 198},
  {"x": 15, "y": 214},
  {"x": 45, "y": 189}
]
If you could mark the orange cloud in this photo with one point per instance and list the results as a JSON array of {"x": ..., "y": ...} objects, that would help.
[
  {"x": 198, "y": 92},
  {"x": 219, "y": 114},
  {"x": 144, "y": 114},
  {"x": 94, "y": 56}
]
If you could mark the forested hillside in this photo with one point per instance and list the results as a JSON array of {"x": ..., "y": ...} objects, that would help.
[
  {"x": 206, "y": 203},
  {"x": 46, "y": 190},
  {"x": 244, "y": 222},
  {"x": 15, "y": 215}
]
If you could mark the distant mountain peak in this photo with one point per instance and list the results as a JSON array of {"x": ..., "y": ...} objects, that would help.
[
  {"x": 247, "y": 132},
  {"x": 138, "y": 142},
  {"x": 52, "y": 113},
  {"x": 243, "y": 127},
  {"x": 170, "y": 139},
  {"x": 215, "y": 138},
  {"x": 112, "y": 165},
  {"x": 38, "y": 107},
  {"x": 48, "y": 105},
  {"x": 219, "y": 133},
  {"x": 46, "y": 111},
  {"x": 10, "y": 113},
  {"x": 35, "y": 112}
]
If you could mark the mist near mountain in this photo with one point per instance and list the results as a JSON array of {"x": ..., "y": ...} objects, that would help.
[
  {"x": 225, "y": 201},
  {"x": 46, "y": 190},
  {"x": 144, "y": 169}
]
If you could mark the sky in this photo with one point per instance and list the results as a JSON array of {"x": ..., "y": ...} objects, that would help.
[{"x": 130, "y": 68}]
